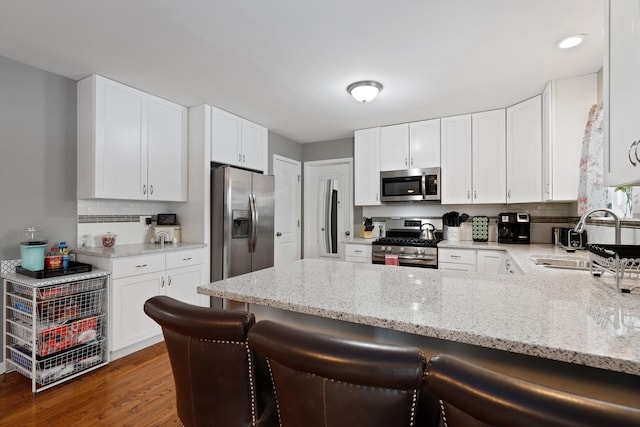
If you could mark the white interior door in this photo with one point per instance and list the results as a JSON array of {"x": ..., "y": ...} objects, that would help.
[
  {"x": 287, "y": 174},
  {"x": 328, "y": 207}
]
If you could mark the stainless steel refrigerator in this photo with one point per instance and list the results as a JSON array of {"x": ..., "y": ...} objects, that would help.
[{"x": 242, "y": 206}]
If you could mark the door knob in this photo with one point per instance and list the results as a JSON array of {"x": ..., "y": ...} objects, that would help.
[
  {"x": 347, "y": 233},
  {"x": 278, "y": 234}
]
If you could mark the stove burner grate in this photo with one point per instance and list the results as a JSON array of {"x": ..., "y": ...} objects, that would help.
[{"x": 407, "y": 241}]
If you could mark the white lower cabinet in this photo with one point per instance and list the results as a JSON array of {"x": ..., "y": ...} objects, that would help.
[
  {"x": 457, "y": 259},
  {"x": 129, "y": 323},
  {"x": 486, "y": 261},
  {"x": 135, "y": 279},
  {"x": 357, "y": 253},
  {"x": 491, "y": 262}
]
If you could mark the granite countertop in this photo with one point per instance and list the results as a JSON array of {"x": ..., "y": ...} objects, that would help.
[
  {"x": 137, "y": 249},
  {"x": 30, "y": 281},
  {"x": 564, "y": 315}
]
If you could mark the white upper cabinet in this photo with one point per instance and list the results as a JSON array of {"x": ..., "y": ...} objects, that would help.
[
  {"x": 489, "y": 156},
  {"x": 226, "y": 130},
  {"x": 456, "y": 174},
  {"x": 473, "y": 158},
  {"x": 565, "y": 111},
  {"x": 621, "y": 93},
  {"x": 236, "y": 141},
  {"x": 131, "y": 145},
  {"x": 424, "y": 144},
  {"x": 394, "y": 147},
  {"x": 366, "y": 154},
  {"x": 524, "y": 151},
  {"x": 410, "y": 145},
  {"x": 167, "y": 160},
  {"x": 254, "y": 146}
]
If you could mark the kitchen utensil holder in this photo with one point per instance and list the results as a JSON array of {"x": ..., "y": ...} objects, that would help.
[
  {"x": 620, "y": 260},
  {"x": 453, "y": 234}
]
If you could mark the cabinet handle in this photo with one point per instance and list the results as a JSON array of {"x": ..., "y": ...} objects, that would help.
[
  {"x": 637, "y": 158},
  {"x": 412, "y": 161},
  {"x": 635, "y": 143},
  {"x": 243, "y": 158},
  {"x": 278, "y": 234},
  {"x": 509, "y": 193},
  {"x": 169, "y": 282},
  {"x": 454, "y": 256},
  {"x": 151, "y": 189},
  {"x": 162, "y": 282},
  {"x": 186, "y": 259},
  {"x": 376, "y": 197},
  {"x": 475, "y": 194},
  {"x": 239, "y": 157},
  {"x": 468, "y": 194},
  {"x": 547, "y": 188},
  {"x": 144, "y": 189},
  {"x": 405, "y": 161},
  {"x": 358, "y": 251},
  {"x": 141, "y": 265}
]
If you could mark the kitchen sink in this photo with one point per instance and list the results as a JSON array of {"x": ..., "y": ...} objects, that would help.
[{"x": 568, "y": 263}]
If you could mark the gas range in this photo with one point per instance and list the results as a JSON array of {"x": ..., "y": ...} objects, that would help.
[{"x": 404, "y": 246}]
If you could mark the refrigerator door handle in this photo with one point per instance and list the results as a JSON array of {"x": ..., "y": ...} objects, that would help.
[{"x": 254, "y": 223}]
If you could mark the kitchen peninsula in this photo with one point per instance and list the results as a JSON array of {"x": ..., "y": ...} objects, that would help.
[{"x": 562, "y": 328}]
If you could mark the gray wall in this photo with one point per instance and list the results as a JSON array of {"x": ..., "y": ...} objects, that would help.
[
  {"x": 326, "y": 150},
  {"x": 37, "y": 155},
  {"x": 284, "y": 147}
]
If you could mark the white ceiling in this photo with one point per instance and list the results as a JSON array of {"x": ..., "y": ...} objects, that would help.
[{"x": 286, "y": 63}]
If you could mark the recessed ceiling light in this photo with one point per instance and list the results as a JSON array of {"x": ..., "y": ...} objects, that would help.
[
  {"x": 570, "y": 41},
  {"x": 364, "y": 91}
]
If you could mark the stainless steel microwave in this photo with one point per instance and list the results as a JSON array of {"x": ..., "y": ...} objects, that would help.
[{"x": 410, "y": 185}]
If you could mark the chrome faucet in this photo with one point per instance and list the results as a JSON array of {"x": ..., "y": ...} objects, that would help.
[
  {"x": 583, "y": 220},
  {"x": 163, "y": 236}
]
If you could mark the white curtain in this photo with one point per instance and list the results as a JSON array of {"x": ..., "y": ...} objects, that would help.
[{"x": 591, "y": 192}]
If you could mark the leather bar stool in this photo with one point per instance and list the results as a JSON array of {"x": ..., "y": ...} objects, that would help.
[
  {"x": 321, "y": 380},
  {"x": 472, "y": 396},
  {"x": 218, "y": 379}
]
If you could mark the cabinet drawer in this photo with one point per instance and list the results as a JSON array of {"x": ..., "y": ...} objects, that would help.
[
  {"x": 132, "y": 266},
  {"x": 457, "y": 256},
  {"x": 451, "y": 266},
  {"x": 358, "y": 259},
  {"x": 185, "y": 258},
  {"x": 360, "y": 251}
]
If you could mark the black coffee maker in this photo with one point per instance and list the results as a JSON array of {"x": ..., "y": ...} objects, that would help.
[{"x": 514, "y": 227}]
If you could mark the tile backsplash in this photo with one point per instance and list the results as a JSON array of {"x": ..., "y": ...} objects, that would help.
[
  {"x": 125, "y": 218},
  {"x": 544, "y": 216}
]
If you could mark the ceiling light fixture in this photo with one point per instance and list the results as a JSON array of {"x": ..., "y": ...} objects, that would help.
[
  {"x": 570, "y": 41},
  {"x": 364, "y": 91}
]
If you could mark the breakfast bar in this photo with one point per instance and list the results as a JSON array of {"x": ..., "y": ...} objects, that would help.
[{"x": 563, "y": 328}]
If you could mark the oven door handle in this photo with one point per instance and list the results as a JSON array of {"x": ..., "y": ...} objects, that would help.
[
  {"x": 424, "y": 185},
  {"x": 420, "y": 258}
]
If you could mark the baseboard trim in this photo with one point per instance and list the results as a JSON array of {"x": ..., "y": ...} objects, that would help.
[{"x": 135, "y": 347}]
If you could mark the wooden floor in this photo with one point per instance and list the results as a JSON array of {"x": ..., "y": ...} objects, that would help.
[{"x": 136, "y": 390}]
